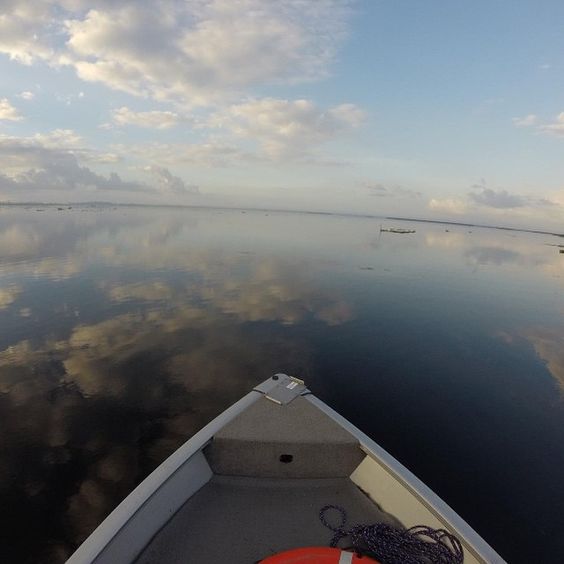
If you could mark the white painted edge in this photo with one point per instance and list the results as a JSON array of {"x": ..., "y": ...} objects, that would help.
[
  {"x": 424, "y": 494},
  {"x": 144, "y": 524},
  {"x": 138, "y": 501}
]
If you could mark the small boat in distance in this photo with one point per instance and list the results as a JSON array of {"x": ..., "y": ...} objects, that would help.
[
  {"x": 396, "y": 230},
  {"x": 255, "y": 485}
]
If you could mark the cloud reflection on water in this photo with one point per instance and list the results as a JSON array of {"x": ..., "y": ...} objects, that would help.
[
  {"x": 100, "y": 403},
  {"x": 504, "y": 250},
  {"x": 548, "y": 344},
  {"x": 492, "y": 255},
  {"x": 159, "y": 377},
  {"x": 8, "y": 295},
  {"x": 534, "y": 254}
]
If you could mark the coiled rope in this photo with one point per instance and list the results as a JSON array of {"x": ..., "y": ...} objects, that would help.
[{"x": 389, "y": 545}]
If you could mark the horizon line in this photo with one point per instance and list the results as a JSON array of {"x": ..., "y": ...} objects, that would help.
[{"x": 305, "y": 212}]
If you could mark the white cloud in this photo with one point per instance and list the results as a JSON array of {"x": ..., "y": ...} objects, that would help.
[
  {"x": 558, "y": 198},
  {"x": 21, "y": 153},
  {"x": 168, "y": 183},
  {"x": 26, "y": 95},
  {"x": 58, "y": 138},
  {"x": 454, "y": 206},
  {"x": 497, "y": 198},
  {"x": 97, "y": 157},
  {"x": 209, "y": 154},
  {"x": 287, "y": 129},
  {"x": 500, "y": 207},
  {"x": 281, "y": 129},
  {"x": 555, "y": 128},
  {"x": 394, "y": 191},
  {"x": 191, "y": 52},
  {"x": 51, "y": 161},
  {"x": 8, "y": 112},
  {"x": 502, "y": 199},
  {"x": 25, "y": 29},
  {"x": 153, "y": 119},
  {"x": 56, "y": 161},
  {"x": 62, "y": 172},
  {"x": 526, "y": 121}
]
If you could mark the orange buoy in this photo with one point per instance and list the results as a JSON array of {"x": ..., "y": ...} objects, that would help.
[{"x": 316, "y": 555}]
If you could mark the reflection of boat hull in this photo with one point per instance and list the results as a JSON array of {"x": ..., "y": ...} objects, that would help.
[
  {"x": 252, "y": 482},
  {"x": 396, "y": 230}
]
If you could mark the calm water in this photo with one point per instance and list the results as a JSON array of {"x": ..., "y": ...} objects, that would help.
[{"x": 123, "y": 331}]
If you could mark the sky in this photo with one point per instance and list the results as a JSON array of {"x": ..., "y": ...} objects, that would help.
[{"x": 435, "y": 110}]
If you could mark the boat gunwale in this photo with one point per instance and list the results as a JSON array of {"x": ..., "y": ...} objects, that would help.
[{"x": 472, "y": 540}]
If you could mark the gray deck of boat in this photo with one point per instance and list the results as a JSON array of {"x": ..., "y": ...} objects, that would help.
[
  {"x": 251, "y": 445},
  {"x": 256, "y": 505},
  {"x": 242, "y": 520}
]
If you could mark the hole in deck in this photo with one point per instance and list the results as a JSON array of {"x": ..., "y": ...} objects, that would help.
[{"x": 286, "y": 458}]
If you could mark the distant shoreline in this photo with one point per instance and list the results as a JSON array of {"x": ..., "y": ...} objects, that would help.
[{"x": 271, "y": 210}]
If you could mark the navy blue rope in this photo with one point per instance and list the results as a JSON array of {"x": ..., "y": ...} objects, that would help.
[{"x": 389, "y": 545}]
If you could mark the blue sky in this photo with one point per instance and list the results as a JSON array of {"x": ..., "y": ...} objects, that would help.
[{"x": 443, "y": 110}]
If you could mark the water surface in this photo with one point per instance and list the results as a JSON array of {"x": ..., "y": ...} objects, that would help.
[{"x": 125, "y": 330}]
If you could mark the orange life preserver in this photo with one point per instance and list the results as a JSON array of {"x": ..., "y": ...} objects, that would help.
[{"x": 317, "y": 555}]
